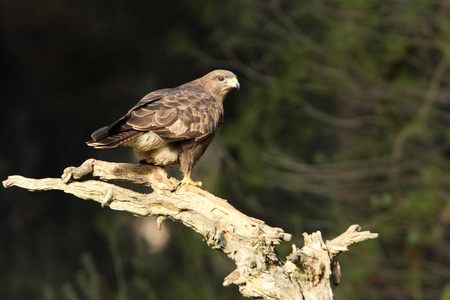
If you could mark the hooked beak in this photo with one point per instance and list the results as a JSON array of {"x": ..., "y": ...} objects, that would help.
[{"x": 234, "y": 83}]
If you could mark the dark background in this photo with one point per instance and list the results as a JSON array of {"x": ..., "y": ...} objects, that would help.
[{"x": 342, "y": 118}]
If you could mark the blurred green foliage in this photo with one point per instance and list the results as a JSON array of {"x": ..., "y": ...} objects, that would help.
[{"x": 342, "y": 118}]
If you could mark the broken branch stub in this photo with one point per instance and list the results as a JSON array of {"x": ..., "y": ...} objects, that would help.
[{"x": 310, "y": 272}]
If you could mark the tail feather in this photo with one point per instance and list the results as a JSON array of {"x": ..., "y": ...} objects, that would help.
[
  {"x": 102, "y": 139},
  {"x": 100, "y": 133}
]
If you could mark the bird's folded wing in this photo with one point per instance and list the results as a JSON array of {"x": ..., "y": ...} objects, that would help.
[{"x": 177, "y": 117}]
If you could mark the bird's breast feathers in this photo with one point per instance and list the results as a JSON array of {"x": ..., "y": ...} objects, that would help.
[{"x": 161, "y": 125}]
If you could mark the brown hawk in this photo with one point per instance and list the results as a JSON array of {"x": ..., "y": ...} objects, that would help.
[{"x": 172, "y": 126}]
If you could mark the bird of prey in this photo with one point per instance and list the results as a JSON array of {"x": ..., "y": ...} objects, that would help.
[{"x": 172, "y": 126}]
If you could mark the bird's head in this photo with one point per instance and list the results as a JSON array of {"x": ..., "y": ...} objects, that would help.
[{"x": 220, "y": 82}]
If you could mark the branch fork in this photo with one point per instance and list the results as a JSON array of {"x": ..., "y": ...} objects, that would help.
[{"x": 311, "y": 272}]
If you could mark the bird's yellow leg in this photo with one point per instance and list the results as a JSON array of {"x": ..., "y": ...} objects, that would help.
[{"x": 187, "y": 180}]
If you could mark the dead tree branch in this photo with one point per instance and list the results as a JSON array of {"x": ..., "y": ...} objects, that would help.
[{"x": 311, "y": 272}]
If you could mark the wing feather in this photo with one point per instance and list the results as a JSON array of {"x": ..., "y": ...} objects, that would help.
[
  {"x": 143, "y": 112},
  {"x": 177, "y": 114},
  {"x": 115, "y": 140},
  {"x": 165, "y": 117},
  {"x": 188, "y": 114}
]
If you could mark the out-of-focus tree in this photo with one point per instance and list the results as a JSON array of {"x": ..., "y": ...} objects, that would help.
[
  {"x": 71, "y": 67},
  {"x": 343, "y": 117}
]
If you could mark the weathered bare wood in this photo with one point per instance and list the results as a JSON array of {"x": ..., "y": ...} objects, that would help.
[{"x": 311, "y": 272}]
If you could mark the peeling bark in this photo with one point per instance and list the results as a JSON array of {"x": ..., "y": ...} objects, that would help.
[{"x": 311, "y": 272}]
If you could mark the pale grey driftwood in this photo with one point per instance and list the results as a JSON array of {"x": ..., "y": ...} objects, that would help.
[{"x": 311, "y": 272}]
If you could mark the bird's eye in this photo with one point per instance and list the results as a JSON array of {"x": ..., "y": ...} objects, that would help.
[{"x": 220, "y": 78}]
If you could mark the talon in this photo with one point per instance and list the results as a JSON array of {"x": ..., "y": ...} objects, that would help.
[{"x": 187, "y": 180}]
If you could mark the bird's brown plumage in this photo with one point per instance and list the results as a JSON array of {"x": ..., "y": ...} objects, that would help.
[{"x": 172, "y": 126}]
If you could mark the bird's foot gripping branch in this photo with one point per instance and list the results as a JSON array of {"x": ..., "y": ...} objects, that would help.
[
  {"x": 173, "y": 126},
  {"x": 310, "y": 272}
]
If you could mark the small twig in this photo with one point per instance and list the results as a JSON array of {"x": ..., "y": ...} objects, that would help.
[
  {"x": 350, "y": 236},
  {"x": 309, "y": 273}
]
